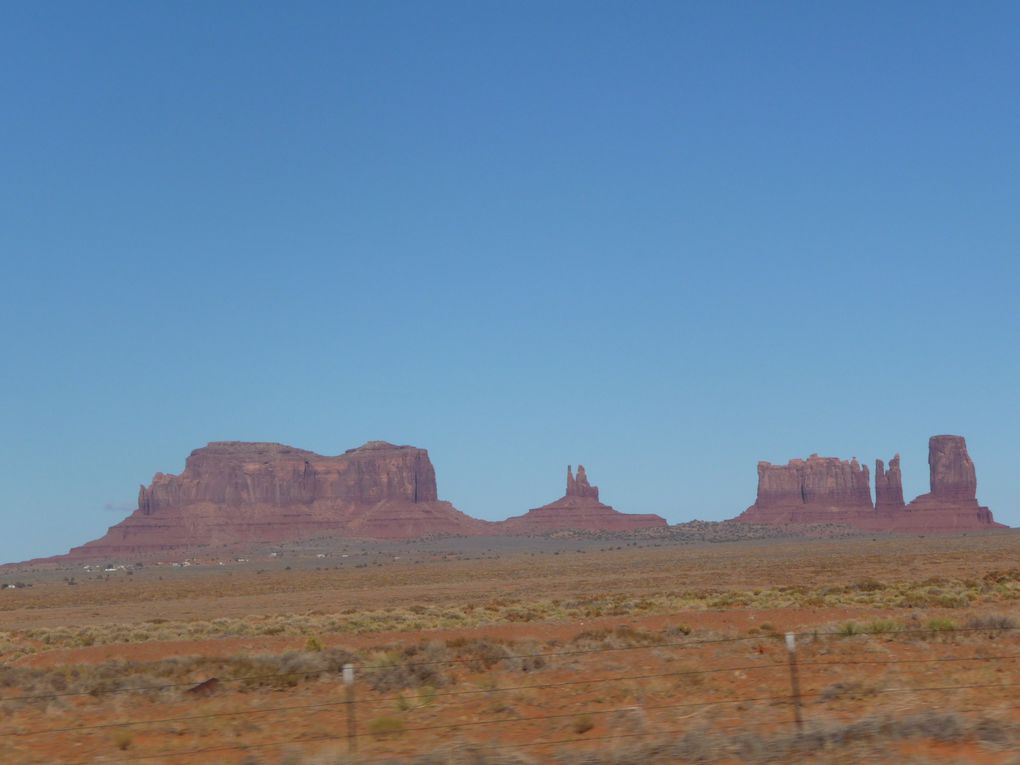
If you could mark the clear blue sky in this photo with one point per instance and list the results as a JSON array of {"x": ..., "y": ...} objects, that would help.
[{"x": 665, "y": 240}]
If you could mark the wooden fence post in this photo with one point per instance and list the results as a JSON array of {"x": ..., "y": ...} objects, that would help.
[
  {"x": 352, "y": 734},
  {"x": 791, "y": 649}
]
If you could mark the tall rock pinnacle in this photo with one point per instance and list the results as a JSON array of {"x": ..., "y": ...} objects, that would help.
[
  {"x": 953, "y": 486},
  {"x": 952, "y": 470},
  {"x": 888, "y": 485},
  {"x": 579, "y": 487}
]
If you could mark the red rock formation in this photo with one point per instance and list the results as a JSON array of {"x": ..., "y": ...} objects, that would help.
[
  {"x": 888, "y": 486},
  {"x": 830, "y": 490},
  {"x": 580, "y": 487},
  {"x": 233, "y": 491},
  {"x": 580, "y": 509},
  {"x": 952, "y": 501},
  {"x": 809, "y": 491},
  {"x": 951, "y": 470}
]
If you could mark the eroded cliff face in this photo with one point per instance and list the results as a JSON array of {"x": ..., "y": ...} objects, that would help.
[
  {"x": 242, "y": 474},
  {"x": 888, "y": 485},
  {"x": 953, "y": 482},
  {"x": 579, "y": 508},
  {"x": 813, "y": 486},
  {"x": 951, "y": 470},
  {"x": 829, "y": 490},
  {"x": 232, "y": 491},
  {"x": 579, "y": 487}
]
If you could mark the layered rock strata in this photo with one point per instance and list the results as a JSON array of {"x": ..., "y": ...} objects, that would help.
[
  {"x": 233, "y": 491},
  {"x": 237, "y": 492},
  {"x": 829, "y": 490},
  {"x": 809, "y": 491},
  {"x": 579, "y": 508}
]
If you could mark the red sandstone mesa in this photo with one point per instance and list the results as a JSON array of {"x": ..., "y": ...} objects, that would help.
[
  {"x": 579, "y": 508},
  {"x": 233, "y": 491},
  {"x": 810, "y": 491},
  {"x": 830, "y": 490},
  {"x": 237, "y": 492}
]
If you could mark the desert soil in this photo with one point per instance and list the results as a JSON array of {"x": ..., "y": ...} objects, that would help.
[{"x": 529, "y": 651}]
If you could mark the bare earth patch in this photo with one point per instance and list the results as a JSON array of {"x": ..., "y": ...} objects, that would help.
[{"x": 594, "y": 653}]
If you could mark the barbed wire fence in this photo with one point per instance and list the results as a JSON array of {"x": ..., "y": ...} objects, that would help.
[{"x": 350, "y": 704}]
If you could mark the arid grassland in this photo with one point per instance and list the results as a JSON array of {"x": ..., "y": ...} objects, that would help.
[{"x": 602, "y": 650}]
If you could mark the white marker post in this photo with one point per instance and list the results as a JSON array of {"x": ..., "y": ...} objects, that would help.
[
  {"x": 352, "y": 736},
  {"x": 791, "y": 650}
]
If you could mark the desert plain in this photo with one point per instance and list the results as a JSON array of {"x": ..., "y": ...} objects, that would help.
[{"x": 659, "y": 646}]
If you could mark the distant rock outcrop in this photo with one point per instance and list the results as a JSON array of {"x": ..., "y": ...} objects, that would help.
[
  {"x": 235, "y": 492},
  {"x": 232, "y": 491},
  {"x": 829, "y": 490},
  {"x": 809, "y": 491},
  {"x": 951, "y": 470},
  {"x": 578, "y": 509},
  {"x": 953, "y": 481},
  {"x": 888, "y": 485},
  {"x": 579, "y": 487}
]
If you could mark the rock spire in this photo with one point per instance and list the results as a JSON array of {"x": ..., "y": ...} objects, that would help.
[
  {"x": 888, "y": 485},
  {"x": 579, "y": 487}
]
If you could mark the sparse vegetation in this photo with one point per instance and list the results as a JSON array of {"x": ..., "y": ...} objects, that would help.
[
  {"x": 952, "y": 594},
  {"x": 122, "y": 739},
  {"x": 997, "y": 623},
  {"x": 941, "y": 625},
  {"x": 382, "y": 727},
  {"x": 547, "y": 657},
  {"x": 870, "y": 739}
]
